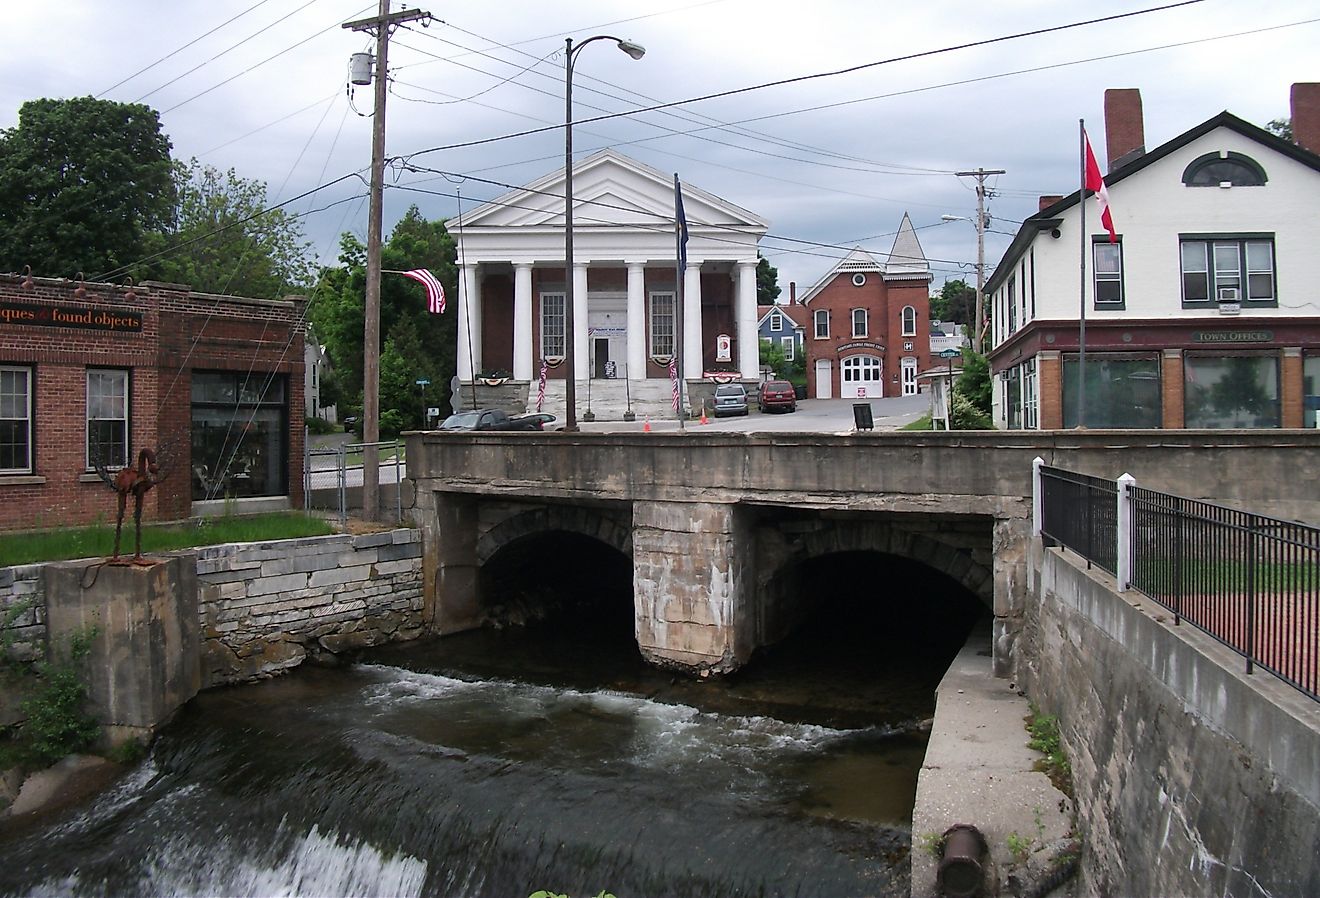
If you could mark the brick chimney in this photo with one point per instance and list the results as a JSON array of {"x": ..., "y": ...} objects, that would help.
[
  {"x": 1046, "y": 201},
  {"x": 1125, "y": 134},
  {"x": 792, "y": 293},
  {"x": 1306, "y": 115}
]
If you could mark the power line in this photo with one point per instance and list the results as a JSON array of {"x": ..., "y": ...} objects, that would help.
[
  {"x": 830, "y": 74},
  {"x": 176, "y": 52}
]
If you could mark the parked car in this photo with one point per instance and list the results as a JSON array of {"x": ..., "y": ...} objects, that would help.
[
  {"x": 495, "y": 419},
  {"x": 776, "y": 394},
  {"x": 730, "y": 399}
]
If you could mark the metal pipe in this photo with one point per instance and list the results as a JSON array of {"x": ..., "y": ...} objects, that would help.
[{"x": 960, "y": 873}]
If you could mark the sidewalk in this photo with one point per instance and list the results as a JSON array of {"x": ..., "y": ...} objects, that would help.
[{"x": 978, "y": 770}]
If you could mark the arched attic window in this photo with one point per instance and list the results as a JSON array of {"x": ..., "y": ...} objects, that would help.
[{"x": 1216, "y": 170}]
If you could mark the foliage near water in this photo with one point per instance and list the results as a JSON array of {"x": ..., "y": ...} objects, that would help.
[
  {"x": 61, "y": 544},
  {"x": 56, "y": 721}
]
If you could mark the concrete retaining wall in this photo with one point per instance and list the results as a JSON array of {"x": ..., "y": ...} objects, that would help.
[
  {"x": 1192, "y": 778},
  {"x": 265, "y": 607}
]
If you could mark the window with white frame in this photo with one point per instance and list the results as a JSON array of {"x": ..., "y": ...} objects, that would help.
[
  {"x": 662, "y": 324},
  {"x": 861, "y": 369},
  {"x": 1228, "y": 269},
  {"x": 776, "y": 321},
  {"x": 107, "y": 418},
  {"x": 859, "y": 328},
  {"x": 1108, "y": 270},
  {"x": 15, "y": 420},
  {"x": 552, "y": 326},
  {"x": 788, "y": 343},
  {"x": 1012, "y": 304},
  {"x": 822, "y": 319},
  {"x": 909, "y": 321},
  {"x": 1030, "y": 403}
]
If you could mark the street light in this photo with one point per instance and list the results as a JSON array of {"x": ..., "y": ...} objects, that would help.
[
  {"x": 979, "y": 223},
  {"x": 636, "y": 51}
]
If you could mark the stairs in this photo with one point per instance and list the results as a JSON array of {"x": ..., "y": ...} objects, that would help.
[{"x": 608, "y": 400}]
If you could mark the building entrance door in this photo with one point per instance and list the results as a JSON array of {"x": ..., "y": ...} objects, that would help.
[
  {"x": 824, "y": 379},
  {"x": 600, "y": 353}
]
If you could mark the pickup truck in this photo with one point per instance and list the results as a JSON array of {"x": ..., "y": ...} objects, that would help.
[{"x": 495, "y": 419}]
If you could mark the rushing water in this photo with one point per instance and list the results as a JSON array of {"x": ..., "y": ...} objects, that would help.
[{"x": 500, "y": 762}]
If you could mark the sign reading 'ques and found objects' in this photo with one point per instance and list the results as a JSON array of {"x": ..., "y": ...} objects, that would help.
[{"x": 40, "y": 315}]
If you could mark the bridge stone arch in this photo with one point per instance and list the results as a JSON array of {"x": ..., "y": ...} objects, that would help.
[
  {"x": 611, "y": 528},
  {"x": 962, "y": 550}
]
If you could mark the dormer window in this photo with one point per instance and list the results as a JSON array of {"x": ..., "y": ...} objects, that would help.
[
  {"x": 1224, "y": 170},
  {"x": 776, "y": 321}
]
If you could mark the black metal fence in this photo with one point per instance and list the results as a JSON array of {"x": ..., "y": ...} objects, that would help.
[
  {"x": 1080, "y": 512},
  {"x": 1250, "y": 581}
]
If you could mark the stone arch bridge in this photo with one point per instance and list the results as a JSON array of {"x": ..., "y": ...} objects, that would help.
[{"x": 710, "y": 520}]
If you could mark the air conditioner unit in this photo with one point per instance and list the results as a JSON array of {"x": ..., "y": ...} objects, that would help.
[{"x": 1228, "y": 294}]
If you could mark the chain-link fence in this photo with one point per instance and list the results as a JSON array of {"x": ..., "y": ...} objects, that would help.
[{"x": 332, "y": 478}]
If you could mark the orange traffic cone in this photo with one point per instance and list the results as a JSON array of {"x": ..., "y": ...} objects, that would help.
[
  {"x": 703, "y": 412},
  {"x": 646, "y": 427}
]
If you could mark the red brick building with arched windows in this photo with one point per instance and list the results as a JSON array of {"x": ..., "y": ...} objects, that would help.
[{"x": 868, "y": 323}]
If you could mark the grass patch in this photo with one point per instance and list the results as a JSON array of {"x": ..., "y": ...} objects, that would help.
[
  {"x": 1219, "y": 575},
  {"x": 99, "y": 539},
  {"x": 922, "y": 423},
  {"x": 1045, "y": 738}
]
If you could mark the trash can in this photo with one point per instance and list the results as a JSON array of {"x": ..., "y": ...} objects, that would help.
[{"x": 862, "y": 419}]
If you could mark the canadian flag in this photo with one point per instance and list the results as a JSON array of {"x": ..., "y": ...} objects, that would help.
[{"x": 1096, "y": 183}]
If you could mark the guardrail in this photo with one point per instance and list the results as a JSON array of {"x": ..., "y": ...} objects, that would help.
[{"x": 1250, "y": 581}]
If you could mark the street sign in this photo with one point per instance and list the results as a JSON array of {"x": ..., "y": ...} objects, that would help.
[
  {"x": 950, "y": 353},
  {"x": 422, "y": 383}
]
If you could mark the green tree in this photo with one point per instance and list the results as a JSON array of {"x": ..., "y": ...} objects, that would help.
[
  {"x": 767, "y": 281},
  {"x": 772, "y": 356},
  {"x": 974, "y": 382},
  {"x": 955, "y": 302},
  {"x": 221, "y": 239},
  {"x": 416, "y": 344},
  {"x": 82, "y": 183},
  {"x": 1281, "y": 127}
]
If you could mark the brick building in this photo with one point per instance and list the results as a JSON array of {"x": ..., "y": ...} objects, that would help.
[
  {"x": 868, "y": 323},
  {"x": 214, "y": 383},
  {"x": 1200, "y": 314}
]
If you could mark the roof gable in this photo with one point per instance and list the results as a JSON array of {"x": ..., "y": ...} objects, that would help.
[
  {"x": 1048, "y": 217},
  {"x": 766, "y": 311},
  {"x": 612, "y": 189}
]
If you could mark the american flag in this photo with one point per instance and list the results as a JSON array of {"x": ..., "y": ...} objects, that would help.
[
  {"x": 540, "y": 391},
  {"x": 435, "y": 291},
  {"x": 673, "y": 379}
]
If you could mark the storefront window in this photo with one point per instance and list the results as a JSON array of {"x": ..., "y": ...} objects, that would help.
[
  {"x": 1122, "y": 391},
  {"x": 239, "y": 435},
  {"x": 1311, "y": 390},
  {"x": 1231, "y": 391}
]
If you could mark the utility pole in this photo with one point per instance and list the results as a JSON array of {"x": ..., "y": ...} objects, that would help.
[
  {"x": 978, "y": 329},
  {"x": 378, "y": 25}
]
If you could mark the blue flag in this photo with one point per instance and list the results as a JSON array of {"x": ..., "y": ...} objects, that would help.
[{"x": 681, "y": 220}]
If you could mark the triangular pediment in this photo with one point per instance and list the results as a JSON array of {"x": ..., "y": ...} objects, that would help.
[{"x": 610, "y": 189}]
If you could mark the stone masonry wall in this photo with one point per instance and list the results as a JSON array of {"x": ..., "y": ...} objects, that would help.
[
  {"x": 1191, "y": 777},
  {"x": 22, "y": 628},
  {"x": 266, "y": 607}
]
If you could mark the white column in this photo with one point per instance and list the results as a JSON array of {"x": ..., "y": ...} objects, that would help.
[
  {"x": 471, "y": 293},
  {"x": 523, "y": 367},
  {"x": 693, "y": 343},
  {"x": 465, "y": 315},
  {"x": 581, "y": 349},
  {"x": 749, "y": 350},
  {"x": 636, "y": 320}
]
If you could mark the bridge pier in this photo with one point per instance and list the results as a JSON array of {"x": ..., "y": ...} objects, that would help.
[
  {"x": 690, "y": 561},
  {"x": 450, "y": 567}
]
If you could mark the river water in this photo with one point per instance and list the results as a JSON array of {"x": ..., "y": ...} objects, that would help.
[{"x": 499, "y": 762}]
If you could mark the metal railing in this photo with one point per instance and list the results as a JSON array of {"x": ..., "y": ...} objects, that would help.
[
  {"x": 1078, "y": 511},
  {"x": 332, "y": 477},
  {"x": 1249, "y": 581}
]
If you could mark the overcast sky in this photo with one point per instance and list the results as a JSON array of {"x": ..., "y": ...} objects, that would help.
[{"x": 259, "y": 86}]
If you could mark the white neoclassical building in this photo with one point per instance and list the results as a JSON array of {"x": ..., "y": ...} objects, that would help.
[{"x": 511, "y": 297}]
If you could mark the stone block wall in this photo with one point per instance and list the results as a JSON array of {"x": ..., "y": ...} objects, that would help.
[
  {"x": 22, "y": 613},
  {"x": 1191, "y": 777},
  {"x": 266, "y": 607}
]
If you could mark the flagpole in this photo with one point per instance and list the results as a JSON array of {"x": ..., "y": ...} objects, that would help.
[
  {"x": 1081, "y": 341},
  {"x": 679, "y": 260},
  {"x": 467, "y": 306}
]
